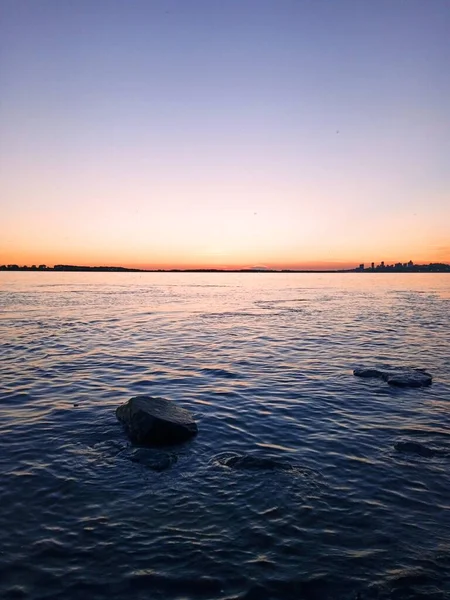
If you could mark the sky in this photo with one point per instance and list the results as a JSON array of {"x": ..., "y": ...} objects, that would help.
[{"x": 224, "y": 133}]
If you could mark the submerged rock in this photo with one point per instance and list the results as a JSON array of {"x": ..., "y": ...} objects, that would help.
[
  {"x": 420, "y": 449},
  {"x": 153, "y": 459},
  {"x": 414, "y": 448},
  {"x": 152, "y": 421},
  {"x": 396, "y": 376},
  {"x": 253, "y": 462},
  {"x": 250, "y": 462}
]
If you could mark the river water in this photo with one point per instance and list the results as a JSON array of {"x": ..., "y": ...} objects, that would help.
[{"x": 319, "y": 504}]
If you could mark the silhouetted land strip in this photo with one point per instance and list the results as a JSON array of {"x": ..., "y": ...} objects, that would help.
[{"x": 397, "y": 268}]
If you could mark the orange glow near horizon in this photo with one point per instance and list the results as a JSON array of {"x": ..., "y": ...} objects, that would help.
[
  {"x": 210, "y": 261},
  {"x": 278, "y": 235},
  {"x": 274, "y": 234}
]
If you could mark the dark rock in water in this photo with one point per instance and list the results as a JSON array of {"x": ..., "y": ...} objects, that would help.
[
  {"x": 153, "y": 459},
  {"x": 414, "y": 448},
  {"x": 409, "y": 378},
  {"x": 367, "y": 373},
  {"x": 151, "y": 421},
  {"x": 249, "y": 462},
  {"x": 397, "y": 376}
]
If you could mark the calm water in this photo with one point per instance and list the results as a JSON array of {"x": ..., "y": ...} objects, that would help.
[{"x": 264, "y": 361}]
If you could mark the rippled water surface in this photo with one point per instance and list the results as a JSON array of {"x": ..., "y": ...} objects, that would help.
[{"x": 298, "y": 485}]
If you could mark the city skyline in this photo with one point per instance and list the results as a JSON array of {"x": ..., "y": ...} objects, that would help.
[{"x": 203, "y": 134}]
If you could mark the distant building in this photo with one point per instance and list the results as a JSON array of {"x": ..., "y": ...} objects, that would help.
[
  {"x": 361, "y": 267},
  {"x": 372, "y": 266}
]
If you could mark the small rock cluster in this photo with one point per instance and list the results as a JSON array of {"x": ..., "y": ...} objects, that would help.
[
  {"x": 153, "y": 422},
  {"x": 396, "y": 376}
]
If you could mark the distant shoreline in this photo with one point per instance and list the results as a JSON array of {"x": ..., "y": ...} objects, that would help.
[{"x": 430, "y": 268}]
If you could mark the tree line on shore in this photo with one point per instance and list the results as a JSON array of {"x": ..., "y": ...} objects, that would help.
[{"x": 395, "y": 268}]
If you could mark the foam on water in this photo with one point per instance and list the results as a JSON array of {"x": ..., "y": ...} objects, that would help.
[{"x": 303, "y": 482}]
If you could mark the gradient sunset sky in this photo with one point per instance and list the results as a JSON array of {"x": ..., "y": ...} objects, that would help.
[{"x": 195, "y": 133}]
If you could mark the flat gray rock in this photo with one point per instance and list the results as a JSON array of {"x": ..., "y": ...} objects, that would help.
[
  {"x": 396, "y": 376},
  {"x": 367, "y": 373},
  {"x": 152, "y": 421}
]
